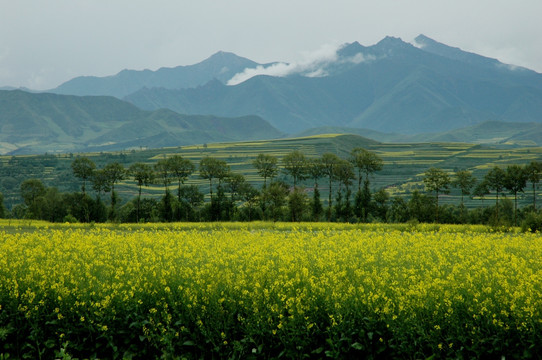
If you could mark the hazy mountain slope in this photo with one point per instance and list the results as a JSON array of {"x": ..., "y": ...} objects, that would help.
[
  {"x": 37, "y": 123},
  {"x": 392, "y": 86},
  {"x": 221, "y": 66}
]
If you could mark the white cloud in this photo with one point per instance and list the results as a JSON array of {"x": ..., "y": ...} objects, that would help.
[{"x": 312, "y": 65}]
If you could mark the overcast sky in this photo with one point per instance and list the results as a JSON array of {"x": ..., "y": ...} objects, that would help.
[{"x": 44, "y": 43}]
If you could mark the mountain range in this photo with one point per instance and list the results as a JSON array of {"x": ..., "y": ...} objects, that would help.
[
  {"x": 391, "y": 86},
  {"x": 390, "y": 91}
]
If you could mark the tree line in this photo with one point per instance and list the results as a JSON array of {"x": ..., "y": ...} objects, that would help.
[{"x": 232, "y": 198}]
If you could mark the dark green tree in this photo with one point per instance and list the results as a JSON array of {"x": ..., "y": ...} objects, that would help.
[
  {"x": 163, "y": 174},
  {"x": 211, "y": 168},
  {"x": 329, "y": 161},
  {"x": 32, "y": 190},
  {"x": 437, "y": 181},
  {"x": 181, "y": 169},
  {"x": 2, "y": 207},
  {"x": 250, "y": 196},
  {"x": 515, "y": 181},
  {"x": 366, "y": 162},
  {"x": 266, "y": 166},
  {"x": 83, "y": 168},
  {"x": 495, "y": 181},
  {"x": 534, "y": 175},
  {"x": 344, "y": 173},
  {"x": 381, "y": 198},
  {"x": 192, "y": 198},
  {"x": 297, "y": 203},
  {"x": 481, "y": 190},
  {"x": 464, "y": 181},
  {"x": 100, "y": 183},
  {"x": 276, "y": 194},
  {"x": 295, "y": 165},
  {"x": 144, "y": 176},
  {"x": 114, "y": 172}
]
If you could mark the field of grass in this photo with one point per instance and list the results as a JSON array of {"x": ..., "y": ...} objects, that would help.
[
  {"x": 264, "y": 290},
  {"x": 404, "y": 164}
]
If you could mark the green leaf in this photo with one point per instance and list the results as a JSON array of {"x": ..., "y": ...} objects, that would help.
[{"x": 357, "y": 346}]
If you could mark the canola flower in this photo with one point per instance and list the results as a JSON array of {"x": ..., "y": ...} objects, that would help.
[{"x": 269, "y": 290}]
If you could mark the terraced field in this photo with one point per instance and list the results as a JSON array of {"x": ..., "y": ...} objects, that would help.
[{"x": 404, "y": 164}]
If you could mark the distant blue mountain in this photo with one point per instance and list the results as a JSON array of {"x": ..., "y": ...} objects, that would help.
[
  {"x": 222, "y": 66},
  {"x": 392, "y": 86}
]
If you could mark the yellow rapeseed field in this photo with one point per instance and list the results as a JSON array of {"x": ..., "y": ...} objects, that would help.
[{"x": 268, "y": 291}]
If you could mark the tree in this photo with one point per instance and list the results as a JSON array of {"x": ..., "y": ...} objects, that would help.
[
  {"x": 495, "y": 181},
  {"x": 297, "y": 203},
  {"x": 366, "y": 162},
  {"x": 143, "y": 175},
  {"x": 275, "y": 194},
  {"x": 181, "y": 169},
  {"x": 421, "y": 207},
  {"x": 2, "y": 207},
  {"x": 235, "y": 183},
  {"x": 162, "y": 172},
  {"x": 295, "y": 165},
  {"x": 381, "y": 198},
  {"x": 534, "y": 175},
  {"x": 83, "y": 168},
  {"x": 211, "y": 168},
  {"x": 266, "y": 166},
  {"x": 481, "y": 190},
  {"x": 114, "y": 172},
  {"x": 515, "y": 180},
  {"x": 436, "y": 180},
  {"x": 100, "y": 183},
  {"x": 192, "y": 197},
  {"x": 315, "y": 170},
  {"x": 344, "y": 173},
  {"x": 329, "y": 162},
  {"x": 250, "y": 196},
  {"x": 31, "y": 191},
  {"x": 465, "y": 181}
]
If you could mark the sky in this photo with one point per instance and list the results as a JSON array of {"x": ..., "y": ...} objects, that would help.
[{"x": 45, "y": 43}]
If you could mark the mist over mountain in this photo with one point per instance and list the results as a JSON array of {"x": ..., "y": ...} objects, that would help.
[
  {"x": 392, "y": 86},
  {"x": 39, "y": 123}
]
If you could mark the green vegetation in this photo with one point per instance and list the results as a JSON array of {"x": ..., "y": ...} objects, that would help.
[{"x": 393, "y": 182}]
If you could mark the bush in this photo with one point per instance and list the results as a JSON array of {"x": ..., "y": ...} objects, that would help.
[
  {"x": 532, "y": 222},
  {"x": 70, "y": 219}
]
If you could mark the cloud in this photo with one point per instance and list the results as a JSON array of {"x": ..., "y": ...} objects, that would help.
[{"x": 312, "y": 65}]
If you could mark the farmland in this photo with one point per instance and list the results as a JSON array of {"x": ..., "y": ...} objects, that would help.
[
  {"x": 263, "y": 290},
  {"x": 404, "y": 164}
]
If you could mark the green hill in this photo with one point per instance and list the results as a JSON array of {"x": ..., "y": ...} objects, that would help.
[{"x": 39, "y": 123}]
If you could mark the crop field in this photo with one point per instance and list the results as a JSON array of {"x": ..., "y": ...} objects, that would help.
[
  {"x": 265, "y": 290},
  {"x": 404, "y": 164}
]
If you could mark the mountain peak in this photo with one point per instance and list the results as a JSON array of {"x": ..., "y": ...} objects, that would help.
[
  {"x": 351, "y": 49},
  {"x": 391, "y": 40}
]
